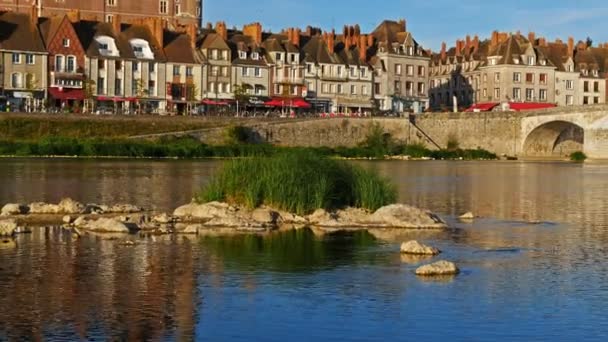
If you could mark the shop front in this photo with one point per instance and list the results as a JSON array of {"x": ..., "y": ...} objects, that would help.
[
  {"x": 66, "y": 98},
  {"x": 24, "y": 101}
]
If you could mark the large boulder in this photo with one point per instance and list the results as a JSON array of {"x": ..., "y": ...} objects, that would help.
[
  {"x": 13, "y": 209},
  {"x": 405, "y": 216},
  {"x": 70, "y": 207},
  {"x": 8, "y": 227},
  {"x": 42, "y": 208},
  {"x": 416, "y": 248},
  {"x": 440, "y": 268},
  {"x": 106, "y": 225}
]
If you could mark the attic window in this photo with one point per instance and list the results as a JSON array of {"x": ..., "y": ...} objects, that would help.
[
  {"x": 595, "y": 73},
  {"x": 585, "y": 72},
  {"x": 410, "y": 50},
  {"x": 531, "y": 60},
  {"x": 242, "y": 55},
  {"x": 516, "y": 60},
  {"x": 66, "y": 42},
  {"x": 255, "y": 56},
  {"x": 543, "y": 62}
]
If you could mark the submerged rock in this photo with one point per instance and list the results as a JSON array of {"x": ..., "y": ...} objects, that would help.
[
  {"x": 13, "y": 209},
  {"x": 440, "y": 268},
  {"x": 416, "y": 248},
  {"x": 8, "y": 227},
  {"x": 162, "y": 219}
]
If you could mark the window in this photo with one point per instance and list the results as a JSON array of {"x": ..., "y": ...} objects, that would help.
[
  {"x": 118, "y": 87},
  {"x": 258, "y": 89},
  {"x": 363, "y": 72},
  {"x": 16, "y": 58},
  {"x": 485, "y": 92},
  {"x": 596, "y": 100},
  {"x": 529, "y": 94},
  {"x": 59, "y": 63},
  {"x": 585, "y": 100},
  {"x": 242, "y": 55},
  {"x": 542, "y": 94},
  {"x": 569, "y": 100},
  {"x": 421, "y": 88},
  {"x": 364, "y": 90},
  {"x": 353, "y": 90},
  {"x": 586, "y": 86},
  {"x": 398, "y": 69},
  {"x": 225, "y": 55},
  {"x": 421, "y": 71},
  {"x": 118, "y": 65},
  {"x": 163, "y": 7},
  {"x": 497, "y": 93},
  {"x": 485, "y": 78},
  {"x": 277, "y": 56},
  {"x": 65, "y": 42},
  {"x": 377, "y": 88},
  {"x": 151, "y": 67},
  {"x": 225, "y": 71},
  {"x": 569, "y": 84},
  {"x": 103, "y": 46},
  {"x": 214, "y": 54},
  {"x": 410, "y": 70},
  {"x": 176, "y": 70},
  {"x": 16, "y": 80},
  {"x": 101, "y": 85},
  {"x": 135, "y": 66},
  {"x": 70, "y": 64},
  {"x": 517, "y": 77},
  {"x": 529, "y": 78},
  {"x": 542, "y": 78},
  {"x": 397, "y": 87},
  {"x": 151, "y": 88},
  {"x": 109, "y": 18},
  {"x": 596, "y": 87},
  {"x": 178, "y": 9},
  {"x": 255, "y": 56},
  {"x": 324, "y": 88},
  {"x": 189, "y": 71},
  {"x": 516, "y": 94},
  {"x": 212, "y": 87},
  {"x": 111, "y": 2},
  {"x": 531, "y": 60},
  {"x": 258, "y": 72},
  {"x": 569, "y": 68},
  {"x": 101, "y": 64},
  {"x": 497, "y": 77},
  {"x": 220, "y": 87},
  {"x": 339, "y": 71},
  {"x": 215, "y": 71},
  {"x": 244, "y": 71},
  {"x": 340, "y": 89}
]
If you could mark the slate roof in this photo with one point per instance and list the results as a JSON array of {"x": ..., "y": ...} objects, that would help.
[
  {"x": 18, "y": 33},
  {"x": 316, "y": 51}
]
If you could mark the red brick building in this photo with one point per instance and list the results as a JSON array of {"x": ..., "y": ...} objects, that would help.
[{"x": 174, "y": 11}]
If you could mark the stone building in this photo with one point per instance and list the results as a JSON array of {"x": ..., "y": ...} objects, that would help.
[
  {"x": 337, "y": 72},
  {"x": 217, "y": 72},
  {"x": 286, "y": 67},
  {"x": 23, "y": 63},
  {"x": 173, "y": 11},
  {"x": 514, "y": 68},
  {"x": 250, "y": 69},
  {"x": 401, "y": 69}
]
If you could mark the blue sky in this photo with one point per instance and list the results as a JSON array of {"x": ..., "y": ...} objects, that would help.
[{"x": 431, "y": 21}]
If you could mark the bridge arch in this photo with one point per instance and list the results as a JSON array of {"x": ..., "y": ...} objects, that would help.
[{"x": 558, "y": 138}]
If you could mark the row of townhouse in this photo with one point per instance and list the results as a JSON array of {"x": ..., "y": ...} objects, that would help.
[
  {"x": 514, "y": 68},
  {"x": 142, "y": 65}
]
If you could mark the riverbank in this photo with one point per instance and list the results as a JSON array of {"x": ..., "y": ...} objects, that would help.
[{"x": 190, "y": 148}]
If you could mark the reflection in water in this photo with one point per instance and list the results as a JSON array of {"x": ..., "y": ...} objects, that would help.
[{"x": 520, "y": 281}]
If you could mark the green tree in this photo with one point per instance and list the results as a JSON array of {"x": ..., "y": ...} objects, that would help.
[
  {"x": 241, "y": 93},
  {"x": 88, "y": 87}
]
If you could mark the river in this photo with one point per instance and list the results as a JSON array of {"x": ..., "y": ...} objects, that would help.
[{"x": 546, "y": 280}]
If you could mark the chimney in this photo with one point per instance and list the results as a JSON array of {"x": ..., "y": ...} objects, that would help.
[
  {"x": 494, "y": 41},
  {"x": 192, "y": 34},
  {"x": 570, "y": 46},
  {"x": 363, "y": 48},
  {"x": 402, "y": 25},
  {"x": 532, "y": 37},
  {"x": 467, "y": 46},
  {"x": 73, "y": 15},
  {"x": 331, "y": 41},
  {"x": 370, "y": 41},
  {"x": 458, "y": 47},
  {"x": 117, "y": 23},
  {"x": 34, "y": 16},
  {"x": 220, "y": 29},
  {"x": 254, "y": 31},
  {"x": 443, "y": 51},
  {"x": 295, "y": 38},
  {"x": 476, "y": 43}
]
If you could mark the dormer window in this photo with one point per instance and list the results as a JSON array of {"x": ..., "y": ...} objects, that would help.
[
  {"x": 516, "y": 60},
  {"x": 543, "y": 62},
  {"x": 278, "y": 57},
  {"x": 103, "y": 46},
  {"x": 141, "y": 48},
  {"x": 242, "y": 55},
  {"x": 255, "y": 56},
  {"x": 595, "y": 73},
  {"x": 569, "y": 68},
  {"x": 531, "y": 60},
  {"x": 585, "y": 72},
  {"x": 410, "y": 50},
  {"x": 107, "y": 46}
]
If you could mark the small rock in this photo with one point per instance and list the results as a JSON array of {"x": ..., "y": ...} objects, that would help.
[
  {"x": 162, "y": 219},
  {"x": 80, "y": 221},
  {"x": 8, "y": 227},
  {"x": 67, "y": 219},
  {"x": 416, "y": 248},
  {"x": 467, "y": 216},
  {"x": 13, "y": 209},
  {"x": 265, "y": 216},
  {"x": 128, "y": 243},
  {"x": 69, "y": 206},
  {"x": 95, "y": 209},
  {"x": 43, "y": 208},
  {"x": 106, "y": 225},
  {"x": 438, "y": 269},
  {"x": 124, "y": 209}
]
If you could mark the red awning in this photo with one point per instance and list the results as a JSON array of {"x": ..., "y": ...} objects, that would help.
[
  {"x": 523, "y": 106},
  {"x": 482, "y": 107},
  {"x": 66, "y": 94},
  {"x": 214, "y": 103},
  {"x": 293, "y": 103},
  {"x": 116, "y": 99}
]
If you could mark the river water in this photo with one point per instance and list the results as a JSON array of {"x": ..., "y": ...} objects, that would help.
[{"x": 523, "y": 281}]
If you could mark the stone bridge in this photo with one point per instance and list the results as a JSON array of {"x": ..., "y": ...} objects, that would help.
[{"x": 553, "y": 133}]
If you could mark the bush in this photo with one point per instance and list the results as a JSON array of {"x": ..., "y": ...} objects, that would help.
[
  {"x": 299, "y": 182},
  {"x": 578, "y": 157}
]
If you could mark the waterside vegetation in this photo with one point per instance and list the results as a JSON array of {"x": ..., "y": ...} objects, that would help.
[{"x": 298, "y": 182}]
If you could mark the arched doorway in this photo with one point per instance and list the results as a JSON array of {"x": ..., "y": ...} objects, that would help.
[{"x": 554, "y": 139}]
